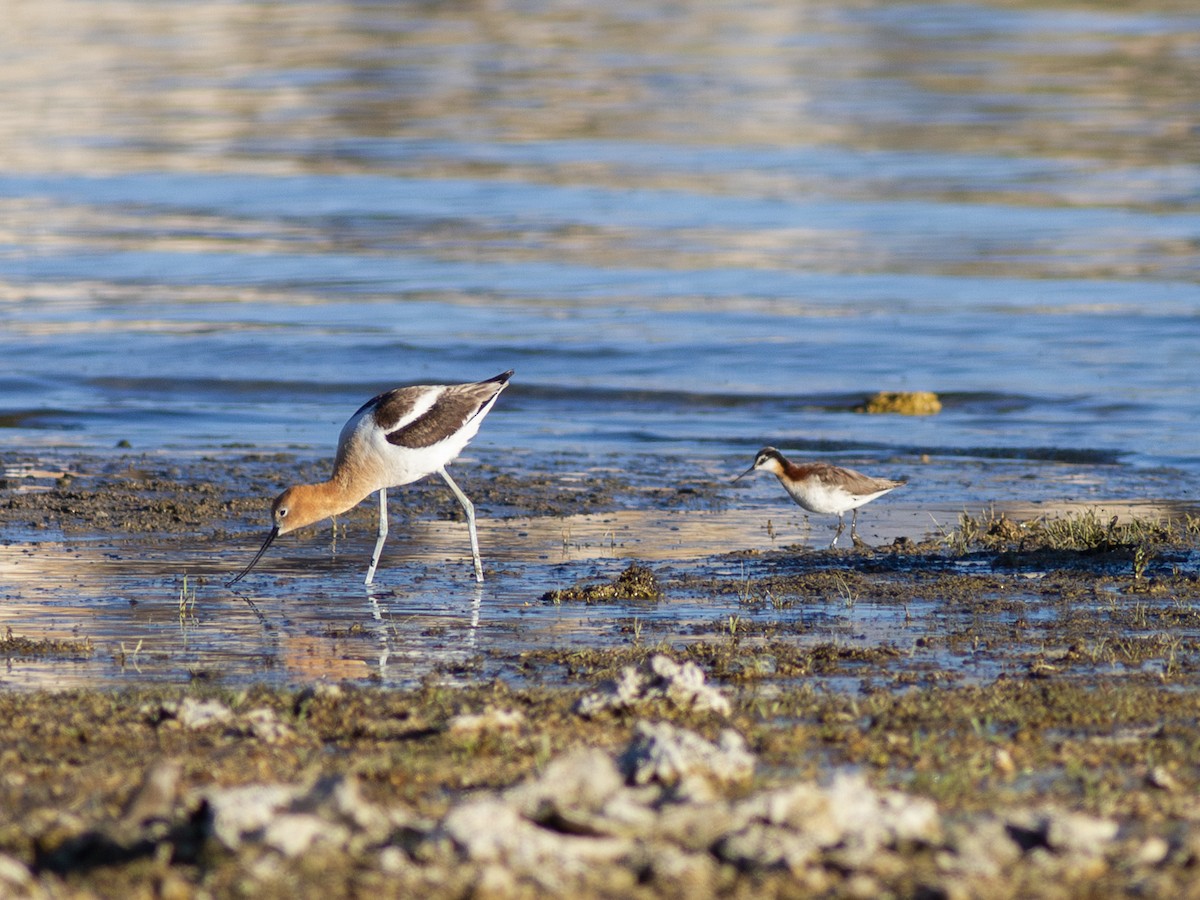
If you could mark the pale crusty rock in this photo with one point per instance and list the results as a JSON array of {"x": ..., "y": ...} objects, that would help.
[
  {"x": 15, "y": 878},
  {"x": 663, "y": 754},
  {"x": 262, "y": 723},
  {"x": 491, "y": 830},
  {"x": 292, "y": 834},
  {"x": 490, "y": 721},
  {"x": 265, "y": 725},
  {"x": 583, "y": 793},
  {"x": 243, "y": 812},
  {"x": 982, "y": 848},
  {"x": 760, "y": 846},
  {"x": 664, "y": 814},
  {"x": 696, "y": 825},
  {"x": 156, "y": 796},
  {"x": 660, "y": 678},
  {"x": 291, "y": 819},
  {"x": 195, "y": 714},
  {"x": 339, "y": 799},
  {"x": 792, "y": 826},
  {"x": 1061, "y": 831}
]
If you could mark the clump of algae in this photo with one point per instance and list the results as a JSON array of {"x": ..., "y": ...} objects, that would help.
[
  {"x": 635, "y": 583},
  {"x": 12, "y": 645},
  {"x": 904, "y": 403}
]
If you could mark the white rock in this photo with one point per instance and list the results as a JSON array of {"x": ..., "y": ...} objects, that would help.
[
  {"x": 155, "y": 797},
  {"x": 1153, "y": 851},
  {"x": 848, "y": 818},
  {"x": 265, "y": 725},
  {"x": 489, "y": 721},
  {"x": 583, "y": 793},
  {"x": 15, "y": 877},
  {"x": 338, "y": 799},
  {"x": 870, "y": 820},
  {"x": 765, "y": 847},
  {"x": 196, "y": 714},
  {"x": 660, "y": 678},
  {"x": 663, "y": 754},
  {"x": 696, "y": 826},
  {"x": 295, "y": 833},
  {"x": 491, "y": 831},
  {"x": 1071, "y": 832},
  {"x": 982, "y": 848},
  {"x": 246, "y": 811}
]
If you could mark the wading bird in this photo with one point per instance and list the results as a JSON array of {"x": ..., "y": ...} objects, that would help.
[
  {"x": 394, "y": 439},
  {"x": 821, "y": 487}
]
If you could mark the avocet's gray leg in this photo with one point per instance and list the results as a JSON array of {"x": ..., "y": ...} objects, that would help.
[
  {"x": 469, "y": 509},
  {"x": 383, "y": 531}
]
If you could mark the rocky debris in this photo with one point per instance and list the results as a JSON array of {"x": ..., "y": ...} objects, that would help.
[
  {"x": 1061, "y": 844},
  {"x": 676, "y": 758},
  {"x": 261, "y": 723},
  {"x": 1062, "y": 832},
  {"x": 490, "y": 831},
  {"x": 155, "y": 798},
  {"x": 194, "y": 714},
  {"x": 583, "y": 793},
  {"x": 848, "y": 820},
  {"x": 659, "y": 678},
  {"x": 15, "y": 878},
  {"x": 245, "y": 813},
  {"x": 265, "y": 725},
  {"x": 591, "y": 819},
  {"x": 490, "y": 721},
  {"x": 293, "y": 819},
  {"x": 670, "y": 814},
  {"x": 635, "y": 583}
]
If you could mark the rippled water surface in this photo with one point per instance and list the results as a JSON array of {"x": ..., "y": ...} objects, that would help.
[{"x": 691, "y": 228}]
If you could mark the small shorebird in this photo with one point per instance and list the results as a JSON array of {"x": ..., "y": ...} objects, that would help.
[
  {"x": 823, "y": 488},
  {"x": 394, "y": 439}
]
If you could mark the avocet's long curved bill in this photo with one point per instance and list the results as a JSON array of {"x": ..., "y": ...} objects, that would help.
[{"x": 257, "y": 556}]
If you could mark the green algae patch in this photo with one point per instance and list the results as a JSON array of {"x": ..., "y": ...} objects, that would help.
[
  {"x": 13, "y": 645},
  {"x": 635, "y": 583},
  {"x": 902, "y": 403},
  {"x": 1083, "y": 531}
]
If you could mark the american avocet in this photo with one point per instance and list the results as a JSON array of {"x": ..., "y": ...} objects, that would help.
[
  {"x": 823, "y": 488},
  {"x": 394, "y": 439}
]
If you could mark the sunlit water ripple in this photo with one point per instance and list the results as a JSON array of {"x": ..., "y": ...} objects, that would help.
[{"x": 690, "y": 229}]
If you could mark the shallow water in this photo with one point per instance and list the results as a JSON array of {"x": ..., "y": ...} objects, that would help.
[
  {"x": 691, "y": 229},
  {"x": 155, "y": 607}
]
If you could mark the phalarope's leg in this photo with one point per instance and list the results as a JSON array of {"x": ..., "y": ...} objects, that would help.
[
  {"x": 854, "y": 538},
  {"x": 383, "y": 532},
  {"x": 841, "y": 527},
  {"x": 469, "y": 509}
]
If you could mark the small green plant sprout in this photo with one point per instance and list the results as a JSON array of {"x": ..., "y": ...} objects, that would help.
[
  {"x": 849, "y": 598},
  {"x": 1142, "y": 555},
  {"x": 187, "y": 601},
  {"x": 745, "y": 591},
  {"x": 123, "y": 656}
]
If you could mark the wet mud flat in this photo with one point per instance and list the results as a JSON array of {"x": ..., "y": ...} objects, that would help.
[{"x": 1008, "y": 708}]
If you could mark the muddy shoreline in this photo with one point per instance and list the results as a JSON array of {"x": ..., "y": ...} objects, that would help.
[{"x": 1014, "y": 704}]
